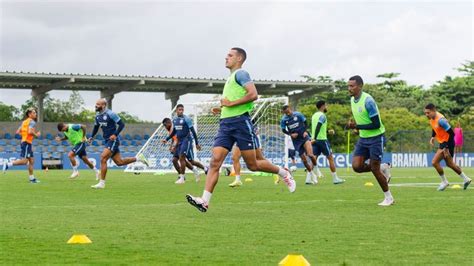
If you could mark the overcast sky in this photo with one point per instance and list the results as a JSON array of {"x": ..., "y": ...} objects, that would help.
[{"x": 424, "y": 41}]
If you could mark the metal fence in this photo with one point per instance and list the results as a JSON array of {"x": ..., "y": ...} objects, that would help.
[{"x": 407, "y": 141}]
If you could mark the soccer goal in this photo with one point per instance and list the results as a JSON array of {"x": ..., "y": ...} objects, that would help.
[{"x": 266, "y": 117}]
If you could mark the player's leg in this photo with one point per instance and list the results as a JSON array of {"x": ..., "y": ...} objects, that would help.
[
  {"x": 236, "y": 154},
  {"x": 86, "y": 160},
  {"x": 22, "y": 161},
  {"x": 104, "y": 157},
  {"x": 175, "y": 162},
  {"x": 436, "y": 164},
  {"x": 376, "y": 149},
  {"x": 361, "y": 154},
  {"x": 448, "y": 158},
  {"x": 72, "y": 158},
  {"x": 119, "y": 161}
]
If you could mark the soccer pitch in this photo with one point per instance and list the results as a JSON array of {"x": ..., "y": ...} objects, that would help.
[{"x": 145, "y": 219}]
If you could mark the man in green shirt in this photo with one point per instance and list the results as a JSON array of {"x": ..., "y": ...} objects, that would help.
[
  {"x": 371, "y": 142},
  {"x": 235, "y": 126},
  {"x": 76, "y": 134},
  {"x": 319, "y": 125}
]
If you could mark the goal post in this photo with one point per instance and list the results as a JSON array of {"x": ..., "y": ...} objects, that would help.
[{"x": 266, "y": 117}]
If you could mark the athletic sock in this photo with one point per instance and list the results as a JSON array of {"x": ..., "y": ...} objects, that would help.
[
  {"x": 10, "y": 164},
  {"x": 282, "y": 172},
  {"x": 206, "y": 196},
  {"x": 388, "y": 194},
  {"x": 237, "y": 178},
  {"x": 334, "y": 175},
  {"x": 32, "y": 177},
  {"x": 443, "y": 178},
  {"x": 464, "y": 177},
  {"x": 74, "y": 168},
  {"x": 102, "y": 181}
]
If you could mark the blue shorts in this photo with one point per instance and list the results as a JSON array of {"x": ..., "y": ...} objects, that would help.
[
  {"x": 238, "y": 129},
  {"x": 80, "y": 149},
  {"x": 370, "y": 148},
  {"x": 291, "y": 153},
  {"x": 185, "y": 146},
  {"x": 113, "y": 146},
  {"x": 298, "y": 143},
  {"x": 26, "y": 150},
  {"x": 321, "y": 146}
]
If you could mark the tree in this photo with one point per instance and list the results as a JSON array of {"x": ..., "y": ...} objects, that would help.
[{"x": 9, "y": 112}]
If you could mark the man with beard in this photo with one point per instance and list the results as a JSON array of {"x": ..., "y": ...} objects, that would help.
[{"x": 111, "y": 125}]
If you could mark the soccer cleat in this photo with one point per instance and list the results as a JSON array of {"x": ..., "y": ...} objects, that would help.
[
  {"x": 289, "y": 181},
  {"x": 180, "y": 181},
  {"x": 337, "y": 181},
  {"x": 308, "y": 180},
  {"x": 143, "y": 159},
  {"x": 467, "y": 183},
  {"x": 74, "y": 174},
  {"x": 197, "y": 202},
  {"x": 236, "y": 183},
  {"x": 97, "y": 173},
  {"x": 385, "y": 169},
  {"x": 443, "y": 186},
  {"x": 34, "y": 181},
  {"x": 5, "y": 166},
  {"x": 387, "y": 202},
  {"x": 98, "y": 186}
]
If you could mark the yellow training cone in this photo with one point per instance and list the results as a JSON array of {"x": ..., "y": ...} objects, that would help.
[
  {"x": 456, "y": 187},
  {"x": 248, "y": 179},
  {"x": 294, "y": 260},
  {"x": 79, "y": 239},
  {"x": 369, "y": 184}
]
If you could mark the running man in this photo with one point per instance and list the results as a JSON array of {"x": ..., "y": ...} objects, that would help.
[
  {"x": 174, "y": 149},
  {"x": 182, "y": 129},
  {"x": 235, "y": 126},
  {"x": 294, "y": 124},
  {"x": 27, "y": 132},
  {"x": 111, "y": 125},
  {"x": 444, "y": 134},
  {"x": 76, "y": 134},
  {"x": 319, "y": 132},
  {"x": 371, "y": 142}
]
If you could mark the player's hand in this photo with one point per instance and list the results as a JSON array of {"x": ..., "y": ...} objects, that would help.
[
  {"x": 331, "y": 132},
  {"x": 226, "y": 102},
  {"x": 305, "y": 134},
  {"x": 38, "y": 134},
  {"x": 172, "y": 149},
  {"x": 432, "y": 141},
  {"x": 198, "y": 147},
  {"x": 89, "y": 140},
  {"x": 113, "y": 137},
  {"x": 355, "y": 131},
  {"x": 313, "y": 141},
  {"x": 163, "y": 141},
  {"x": 215, "y": 110},
  {"x": 294, "y": 135},
  {"x": 351, "y": 124},
  {"x": 57, "y": 138}
]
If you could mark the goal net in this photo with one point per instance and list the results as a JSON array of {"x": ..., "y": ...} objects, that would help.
[{"x": 266, "y": 117}]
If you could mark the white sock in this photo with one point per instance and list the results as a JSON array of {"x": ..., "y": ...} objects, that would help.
[
  {"x": 237, "y": 178},
  {"x": 282, "y": 172},
  {"x": 388, "y": 195},
  {"x": 308, "y": 177},
  {"x": 464, "y": 177},
  {"x": 10, "y": 164},
  {"x": 95, "y": 169},
  {"x": 102, "y": 181},
  {"x": 443, "y": 179},
  {"x": 32, "y": 177},
  {"x": 334, "y": 175},
  {"x": 74, "y": 168},
  {"x": 206, "y": 196},
  {"x": 181, "y": 176}
]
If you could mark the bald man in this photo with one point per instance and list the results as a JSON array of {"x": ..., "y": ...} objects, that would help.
[{"x": 111, "y": 125}]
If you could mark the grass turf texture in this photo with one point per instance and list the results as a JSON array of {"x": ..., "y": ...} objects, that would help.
[{"x": 145, "y": 219}]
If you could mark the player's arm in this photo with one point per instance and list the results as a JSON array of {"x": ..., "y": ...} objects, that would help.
[
  {"x": 171, "y": 135},
  {"x": 83, "y": 127},
  {"x": 242, "y": 77},
  {"x": 283, "y": 127},
  {"x": 304, "y": 125},
  {"x": 94, "y": 130},
  {"x": 32, "y": 130},
  {"x": 373, "y": 114}
]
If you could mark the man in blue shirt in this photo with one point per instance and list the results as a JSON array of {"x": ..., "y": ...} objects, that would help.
[
  {"x": 294, "y": 124},
  {"x": 111, "y": 125},
  {"x": 182, "y": 129}
]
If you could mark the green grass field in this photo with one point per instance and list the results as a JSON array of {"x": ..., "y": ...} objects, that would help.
[{"x": 144, "y": 219}]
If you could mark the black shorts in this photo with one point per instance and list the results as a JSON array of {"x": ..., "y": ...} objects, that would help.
[{"x": 449, "y": 146}]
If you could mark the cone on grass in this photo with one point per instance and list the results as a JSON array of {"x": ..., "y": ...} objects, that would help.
[
  {"x": 294, "y": 260},
  {"x": 456, "y": 186},
  {"x": 79, "y": 239},
  {"x": 369, "y": 184}
]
